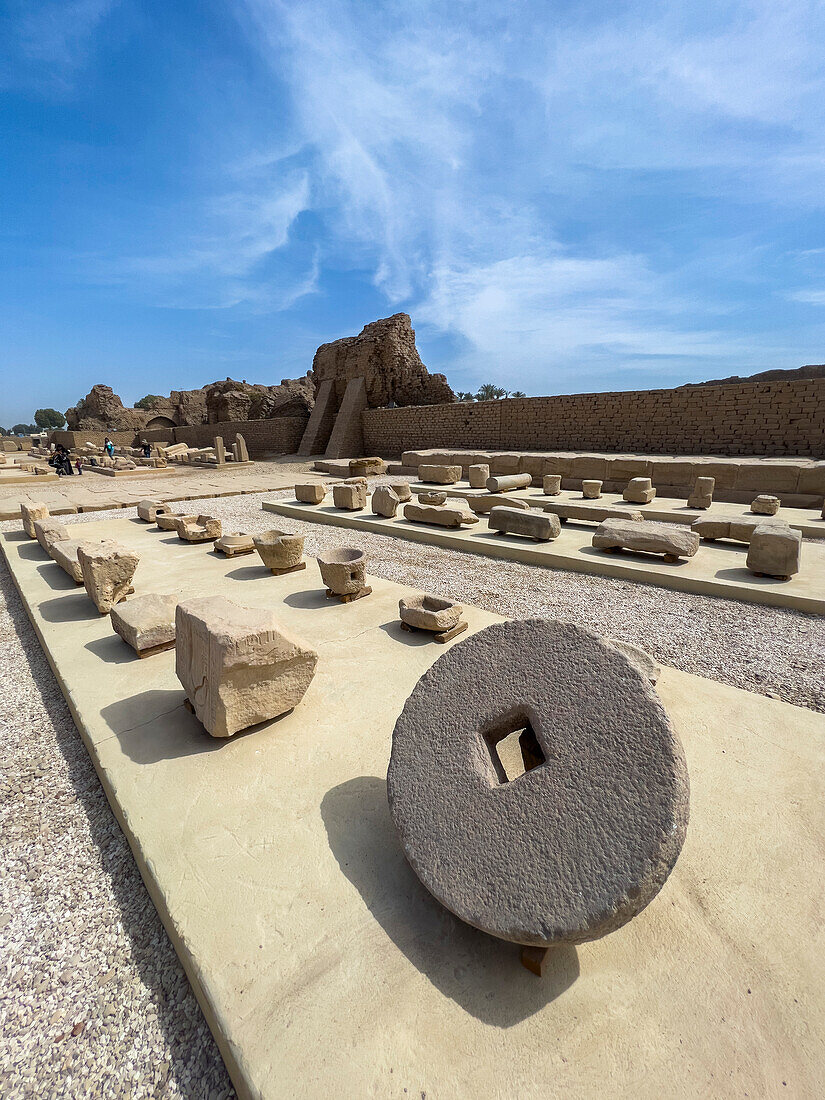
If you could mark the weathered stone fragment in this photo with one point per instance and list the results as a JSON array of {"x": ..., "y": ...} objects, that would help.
[
  {"x": 639, "y": 491},
  {"x": 441, "y": 475},
  {"x": 237, "y": 665},
  {"x": 311, "y": 492},
  {"x": 551, "y": 484},
  {"x": 65, "y": 554},
  {"x": 352, "y": 497},
  {"x": 541, "y": 526},
  {"x": 452, "y": 515},
  {"x": 429, "y": 612},
  {"x": 30, "y": 514},
  {"x": 434, "y": 500},
  {"x": 367, "y": 467},
  {"x": 592, "y": 513},
  {"x": 200, "y": 529},
  {"x": 107, "y": 569},
  {"x": 402, "y": 490},
  {"x": 146, "y": 622},
  {"x": 648, "y": 667},
  {"x": 148, "y": 510},
  {"x": 737, "y": 528},
  {"x": 591, "y": 489},
  {"x": 774, "y": 551},
  {"x": 483, "y": 505},
  {"x": 343, "y": 570},
  {"x": 671, "y": 539},
  {"x": 243, "y": 450},
  {"x": 583, "y": 839},
  {"x": 765, "y": 505},
  {"x": 505, "y": 483},
  {"x": 235, "y": 542},
  {"x": 168, "y": 521},
  {"x": 702, "y": 495},
  {"x": 384, "y": 501},
  {"x": 48, "y": 531},
  {"x": 280, "y": 550},
  {"x": 478, "y": 474}
]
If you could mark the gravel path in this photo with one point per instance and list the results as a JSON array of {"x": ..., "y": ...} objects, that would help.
[{"x": 94, "y": 1000}]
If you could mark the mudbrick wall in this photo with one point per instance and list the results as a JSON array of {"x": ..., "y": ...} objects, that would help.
[{"x": 752, "y": 418}]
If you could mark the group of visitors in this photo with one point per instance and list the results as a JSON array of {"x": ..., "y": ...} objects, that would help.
[{"x": 61, "y": 460}]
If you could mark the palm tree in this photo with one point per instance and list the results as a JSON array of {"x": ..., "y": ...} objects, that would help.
[
  {"x": 488, "y": 392},
  {"x": 518, "y": 393},
  {"x": 462, "y": 396}
]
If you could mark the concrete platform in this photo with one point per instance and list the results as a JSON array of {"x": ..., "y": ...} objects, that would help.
[
  {"x": 718, "y": 569},
  {"x": 663, "y": 509},
  {"x": 324, "y": 967}
]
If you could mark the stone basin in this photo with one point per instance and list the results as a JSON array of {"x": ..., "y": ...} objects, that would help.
[
  {"x": 343, "y": 570},
  {"x": 429, "y": 612},
  {"x": 280, "y": 549}
]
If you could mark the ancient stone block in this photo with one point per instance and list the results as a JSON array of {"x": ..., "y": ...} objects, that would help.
[
  {"x": 343, "y": 570},
  {"x": 367, "y": 467},
  {"x": 168, "y": 521},
  {"x": 30, "y": 513},
  {"x": 235, "y": 542},
  {"x": 478, "y": 474},
  {"x": 441, "y": 475},
  {"x": 402, "y": 490},
  {"x": 108, "y": 569},
  {"x": 352, "y": 497},
  {"x": 702, "y": 495},
  {"x": 200, "y": 529},
  {"x": 311, "y": 492},
  {"x": 220, "y": 450},
  {"x": 452, "y": 515},
  {"x": 639, "y": 491},
  {"x": 238, "y": 666},
  {"x": 64, "y": 553},
  {"x": 505, "y": 483},
  {"x": 671, "y": 539},
  {"x": 384, "y": 501},
  {"x": 429, "y": 612},
  {"x": 765, "y": 505},
  {"x": 434, "y": 500},
  {"x": 591, "y": 513},
  {"x": 280, "y": 550},
  {"x": 541, "y": 526},
  {"x": 483, "y": 505},
  {"x": 48, "y": 531},
  {"x": 551, "y": 484},
  {"x": 585, "y": 837},
  {"x": 591, "y": 490},
  {"x": 146, "y": 622},
  {"x": 774, "y": 550},
  {"x": 242, "y": 449},
  {"x": 148, "y": 510}
]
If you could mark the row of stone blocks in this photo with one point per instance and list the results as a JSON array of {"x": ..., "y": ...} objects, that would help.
[{"x": 798, "y": 481}]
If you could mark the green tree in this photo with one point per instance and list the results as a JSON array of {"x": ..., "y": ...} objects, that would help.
[
  {"x": 462, "y": 396},
  {"x": 49, "y": 418},
  {"x": 518, "y": 393},
  {"x": 148, "y": 402},
  {"x": 489, "y": 392},
  {"x": 23, "y": 429}
]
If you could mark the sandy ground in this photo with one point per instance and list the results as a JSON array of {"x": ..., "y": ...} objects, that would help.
[{"x": 94, "y": 1000}]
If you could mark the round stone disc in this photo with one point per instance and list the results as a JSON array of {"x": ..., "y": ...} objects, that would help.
[{"x": 578, "y": 844}]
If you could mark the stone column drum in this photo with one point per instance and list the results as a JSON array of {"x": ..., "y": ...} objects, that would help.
[{"x": 478, "y": 474}]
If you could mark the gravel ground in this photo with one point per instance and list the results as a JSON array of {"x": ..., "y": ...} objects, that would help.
[{"x": 95, "y": 1001}]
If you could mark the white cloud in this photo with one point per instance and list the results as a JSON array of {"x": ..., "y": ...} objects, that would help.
[{"x": 807, "y": 297}]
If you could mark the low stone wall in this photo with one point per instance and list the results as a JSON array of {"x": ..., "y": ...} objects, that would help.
[
  {"x": 752, "y": 418},
  {"x": 12, "y": 443},
  {"x": 120, "y": 439},
  {"x": 280, "y": 435}
]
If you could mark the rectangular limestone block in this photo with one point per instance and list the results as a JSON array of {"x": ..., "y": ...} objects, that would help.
[
  {"x": 767, "y": 477},
  {"x": 504, "y": 462},
  {"x": 439, "y": 475},
  {"x": 532, "y": 465},
  {"x": 145, "y": 622},
  {"x": 483, "y": 505},
  {"x": 31, "y": 513},
  {"x": 541, "y": 526},
  {"x": 671, "y": 539},
  {"x": 65, "y": 554},
  {"x": 238, "y": 666},
  {"x": 774, "y": 551},
  {"x": 311, "y": 492},
  {"x": 812, "y": 479},
  {"x": 452, "y": 515},
  {"x": 672, "y": 471},
  {"x": 639, "y": 491},
  {"x": 478, "y": 474},
  {"x": 148, "y": 510},
  {"x": 48, "y": 531},
  {"x": 350, "y": 496},
  {"x": 591, "y": 513},
  {"x": 624, "y": 467},
  {"x": 107, "y": 569},
  {"x": 587, "y": 466}
]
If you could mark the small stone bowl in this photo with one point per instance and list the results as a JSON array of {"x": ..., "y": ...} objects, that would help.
[{"x": 280, "y": 550}]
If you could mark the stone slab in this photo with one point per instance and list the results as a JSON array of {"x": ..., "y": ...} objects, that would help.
[
  {"x": 717, "y": 569},
  {"x": 274, "y": 864}
]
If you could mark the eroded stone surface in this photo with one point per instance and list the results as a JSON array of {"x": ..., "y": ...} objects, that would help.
[
  {"x": 440, "y": 475},
  {"x": 64, "y": 553},
  {"x": 592, "y": 513},
  {"x": 238, "y": 666},
  {"x": 350, "y": 496},
  {"x": 199, "y": 529},
  {"x": 280, "y": 549},
  {"x": 367, "y": 467},
  {"x": 774, "y": 550},
  {"x": 551, "y": 484},
  {"x": 384, "y": 502},
  {"x": 670, "y": 539},
  {"x": 737, "y": 528},
  {"x": 49, "y": 531},
  {"x": 107, "y": 569},
  {"x": 30, "y": 514},
  {"x": 702, "y": 495},
  {"x": 310, "y": 492},
  {"x": 483, "y": 505},
  {"x": 452, "y": 515},
  {"x": 478, "y": 474},
  {"x": 146, "y": 621},
  {"x": 505, "y": 483},
  {"x": 427, "y": 612},
  {"x": 765, "y": 505},
  {"x": 148, "y": 510},
  {"x": 573, "y": 848},
  {"x": 541, "y": 526},
  {"x": 434, "y": 499},
  {"x": 235, "y": 542},
  {"x": 343, "y": 570},
  {"x": 168, "y": 521},
  {"x": 591, "y": 489},
  {"x": 639, "y": 491}
]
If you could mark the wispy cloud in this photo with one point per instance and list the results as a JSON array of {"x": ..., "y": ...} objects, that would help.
[
  {"x": 807, "y": 297},
  {"x": 48, "y": 42}
]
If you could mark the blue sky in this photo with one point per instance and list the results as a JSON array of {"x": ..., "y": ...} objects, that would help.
[{"x": 564, "y": 196}]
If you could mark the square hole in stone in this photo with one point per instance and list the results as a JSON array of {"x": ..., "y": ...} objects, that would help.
[{"x": 514, "y": 749}]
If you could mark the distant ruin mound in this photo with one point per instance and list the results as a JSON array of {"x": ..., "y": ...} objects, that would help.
[{"x": 811, "y": 371}]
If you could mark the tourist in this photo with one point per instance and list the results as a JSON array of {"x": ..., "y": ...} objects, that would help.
[
  {"x": 79, "y": 465},
  {"x": 147, "y": 450},
  {"x": 109, "y": 447}
]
